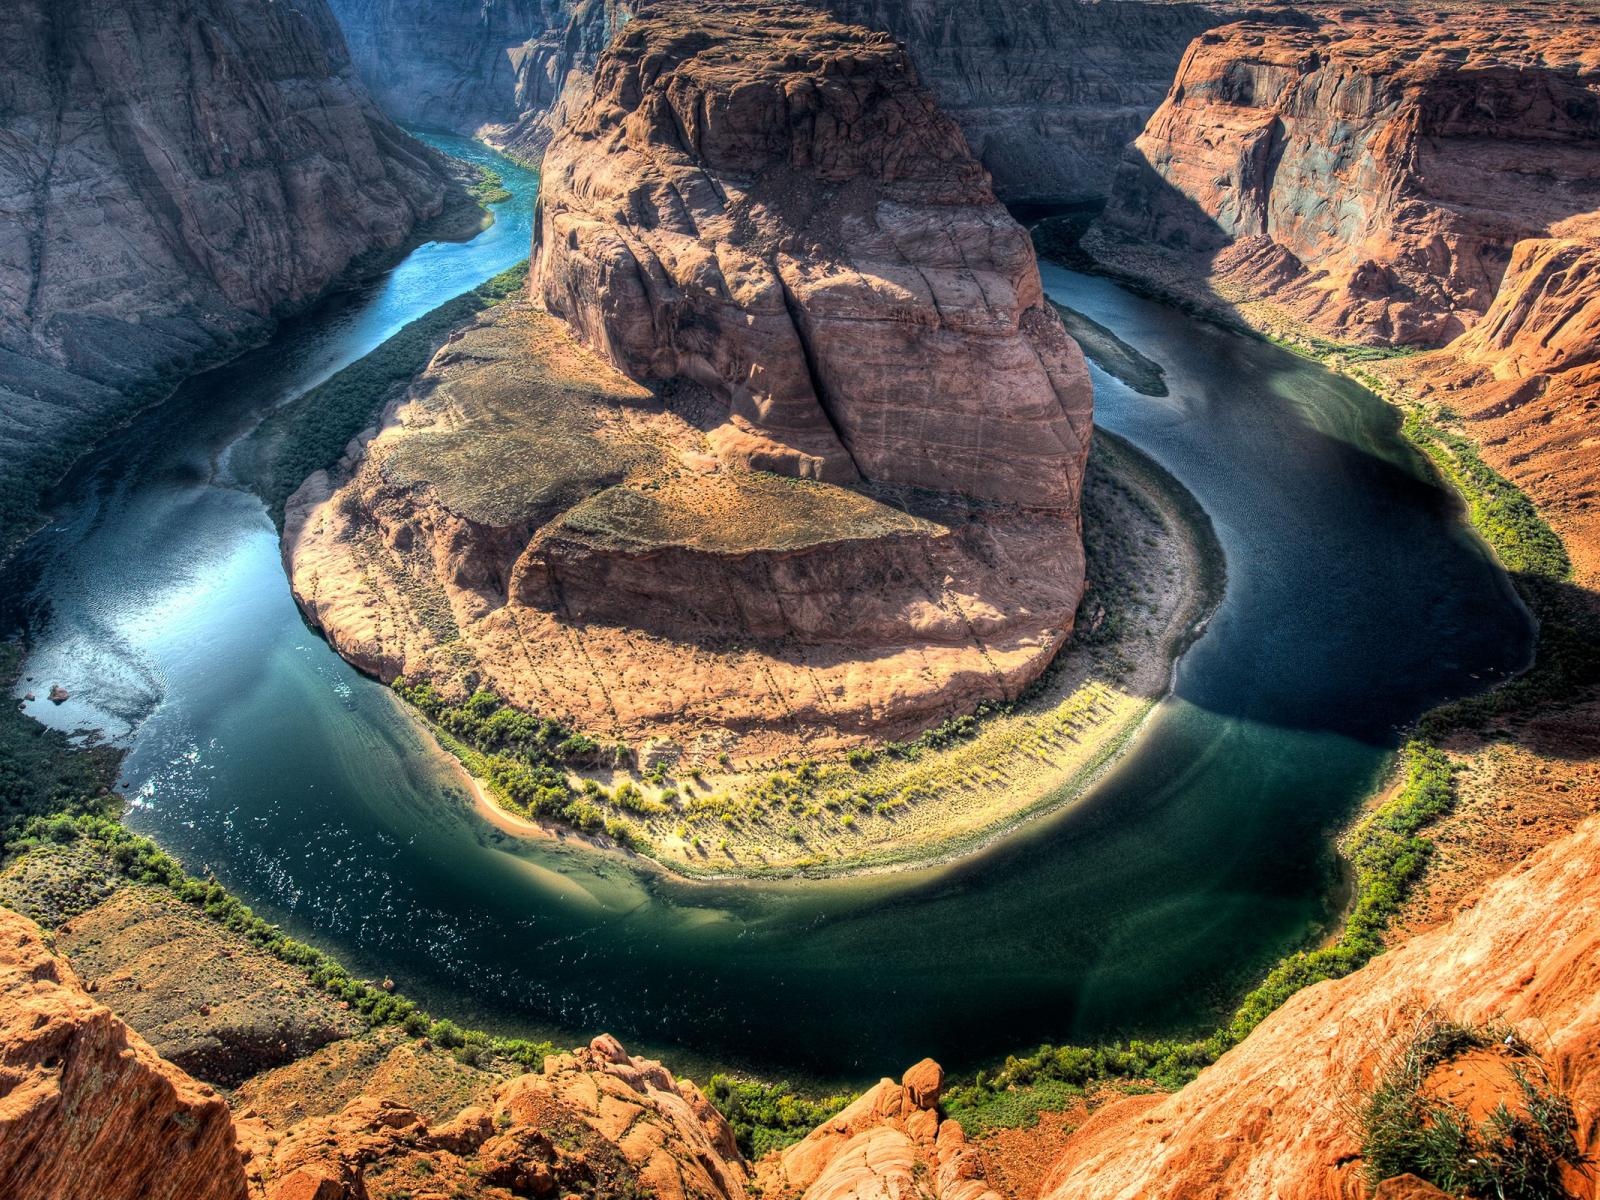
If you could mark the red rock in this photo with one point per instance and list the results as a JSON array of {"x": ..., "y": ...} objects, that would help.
[{"x": 87, "y": 1109}]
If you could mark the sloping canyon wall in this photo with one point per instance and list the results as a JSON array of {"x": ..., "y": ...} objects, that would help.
[
  {"x": 1424, "y": 179},
  {"x": 171, "y": 177},
  {"x": 1047, "y": 93}
]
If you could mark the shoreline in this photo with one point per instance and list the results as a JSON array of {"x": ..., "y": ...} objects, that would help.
[{"x": 1050, "y": 785}]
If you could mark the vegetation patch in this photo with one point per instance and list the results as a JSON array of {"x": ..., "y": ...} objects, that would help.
[
  {"x": 769, "y": 1116},
  {"x": 490, "y": 188},
  {"x": 140, "y": 860},
  {"x": 310, "y": 432},
  {"x": 1521, "y": 1150}
]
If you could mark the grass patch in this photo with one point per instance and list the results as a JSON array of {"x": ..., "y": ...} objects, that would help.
[
  {"x": 490, "y": 187},
  {"x": 140, "y": 860},
  {"x": 769, "y": 1116},
  {"x": 310, "y": 432},
  {"x": 981, "y": 1112},
  {"x": 1519, "y": 1152}
]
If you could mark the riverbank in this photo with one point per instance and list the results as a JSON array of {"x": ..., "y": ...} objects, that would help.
[{"x": 1155, "y": 574}]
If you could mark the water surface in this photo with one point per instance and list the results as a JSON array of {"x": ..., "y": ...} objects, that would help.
[{"x": 1356, "y": 598}]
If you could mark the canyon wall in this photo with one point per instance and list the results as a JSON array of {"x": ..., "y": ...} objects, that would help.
[
  {"x": 170, "y": 180},
  {"x": 1371, "y": 173},
  {"x": 1047, "y": 94}
]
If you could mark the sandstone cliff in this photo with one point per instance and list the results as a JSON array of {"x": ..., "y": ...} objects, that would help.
[
  {"x": 86, "y": 1107},
  {"x": 768, "y": 226},
  {"x": 171, "y": 178},
  {"x": 1277, "y": 1116},
  {"x": 1371, "y": 172}
]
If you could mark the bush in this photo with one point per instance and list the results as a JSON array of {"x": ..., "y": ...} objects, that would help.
[
  {"x": 1517, "y": 1153},
  {"x": 768, "y": 1116}
]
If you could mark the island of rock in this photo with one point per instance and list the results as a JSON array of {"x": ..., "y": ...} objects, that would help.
[{"x": 785, "y": 448}]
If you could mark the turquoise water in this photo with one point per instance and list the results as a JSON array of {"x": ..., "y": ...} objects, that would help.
[{"x": 1356, "y": 598}]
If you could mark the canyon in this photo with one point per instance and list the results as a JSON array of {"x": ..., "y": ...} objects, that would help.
[
  {"x": 1047, "y": 94},
  {"x": 786, "y": 397},
  {"x": 172, "y": 181},
  {"x": 812, "y": 413}
]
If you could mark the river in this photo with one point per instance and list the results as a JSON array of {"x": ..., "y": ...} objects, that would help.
[{"x": 1356, "y": 598}]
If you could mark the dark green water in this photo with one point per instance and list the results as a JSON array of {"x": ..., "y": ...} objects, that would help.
[{"x": 1356, "y": 598}]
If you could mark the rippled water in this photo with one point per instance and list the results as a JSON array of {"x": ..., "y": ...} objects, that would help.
[{"x": 1356, "y": 598}]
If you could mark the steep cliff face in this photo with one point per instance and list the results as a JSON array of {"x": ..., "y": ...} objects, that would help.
[
  {"x": 86, "y": 1107},
  {"x": 788, "y": 264},
  {"x": 1048, "y": 94},
  {"x": 1372, "y": 173},
  {"x": 490, "y": 68},
  {"x": 769, "y": 204},
  {"x": 1279, "y": 1115},
  {"x": 171, "y": 178}
]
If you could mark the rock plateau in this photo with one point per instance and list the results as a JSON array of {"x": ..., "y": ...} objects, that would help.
[{"x": 780, "y": 261}]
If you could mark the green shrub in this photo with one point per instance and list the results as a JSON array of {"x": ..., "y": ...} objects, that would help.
[
  {"x": 1517, "y": 1153},
  {"x": 768, "y": 1116}
]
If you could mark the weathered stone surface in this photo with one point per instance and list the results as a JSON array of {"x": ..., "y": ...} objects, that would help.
[
  {"x": 86, "y": 1107},
  {"x": 1265, "y": 1120},
  {"x": 1370, "y": 171},
  {"x": 767, "y": 202},
  {"x": 171, "y": 178},
  {"x": 889, "y": 1143}
]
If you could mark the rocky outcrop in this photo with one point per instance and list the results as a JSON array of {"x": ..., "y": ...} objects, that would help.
[
  {"x": 889, "y": 1142},
  {"x": 1371, "y": 173},
  {"x": 171, "y": 179},
  {"x": 594, "y": 1122},
  {"x": 767, "y": 203},
  {"x": 86, "y": 1107},
  {"x": 796, "y": 268},
  {"x": 1277, "y": 1116}
]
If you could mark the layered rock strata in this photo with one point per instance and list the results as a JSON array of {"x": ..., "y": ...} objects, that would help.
[
  {"x": 1372, "y": 171},
  {"x": 1047, "y": 94},
  {"x": 790, "y": 266},
  {"x": 172, "y": 178}
]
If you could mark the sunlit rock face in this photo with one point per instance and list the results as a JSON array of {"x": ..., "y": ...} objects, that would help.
[{"x": 1372, "y": 172}]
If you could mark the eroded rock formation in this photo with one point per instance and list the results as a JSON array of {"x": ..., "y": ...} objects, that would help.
[
  {"x": 768, "y": 226},
  {"x": 890, "y": 1141},
  {"x": 1047, "y": 94},
  {"x": 1371, "y": 172},
  {"x": 171, "y": 178},
  {"x": 87, "y": 1108}
]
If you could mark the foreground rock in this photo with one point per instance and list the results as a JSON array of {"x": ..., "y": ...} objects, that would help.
[
  {"x": 172, "y": 179},
  {"x": 799, "y": 270},
  {"x": 888, "y": 1142},
  {"x": 87, "y": 1108},
  {"x": 1276, "y": 1117}
]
